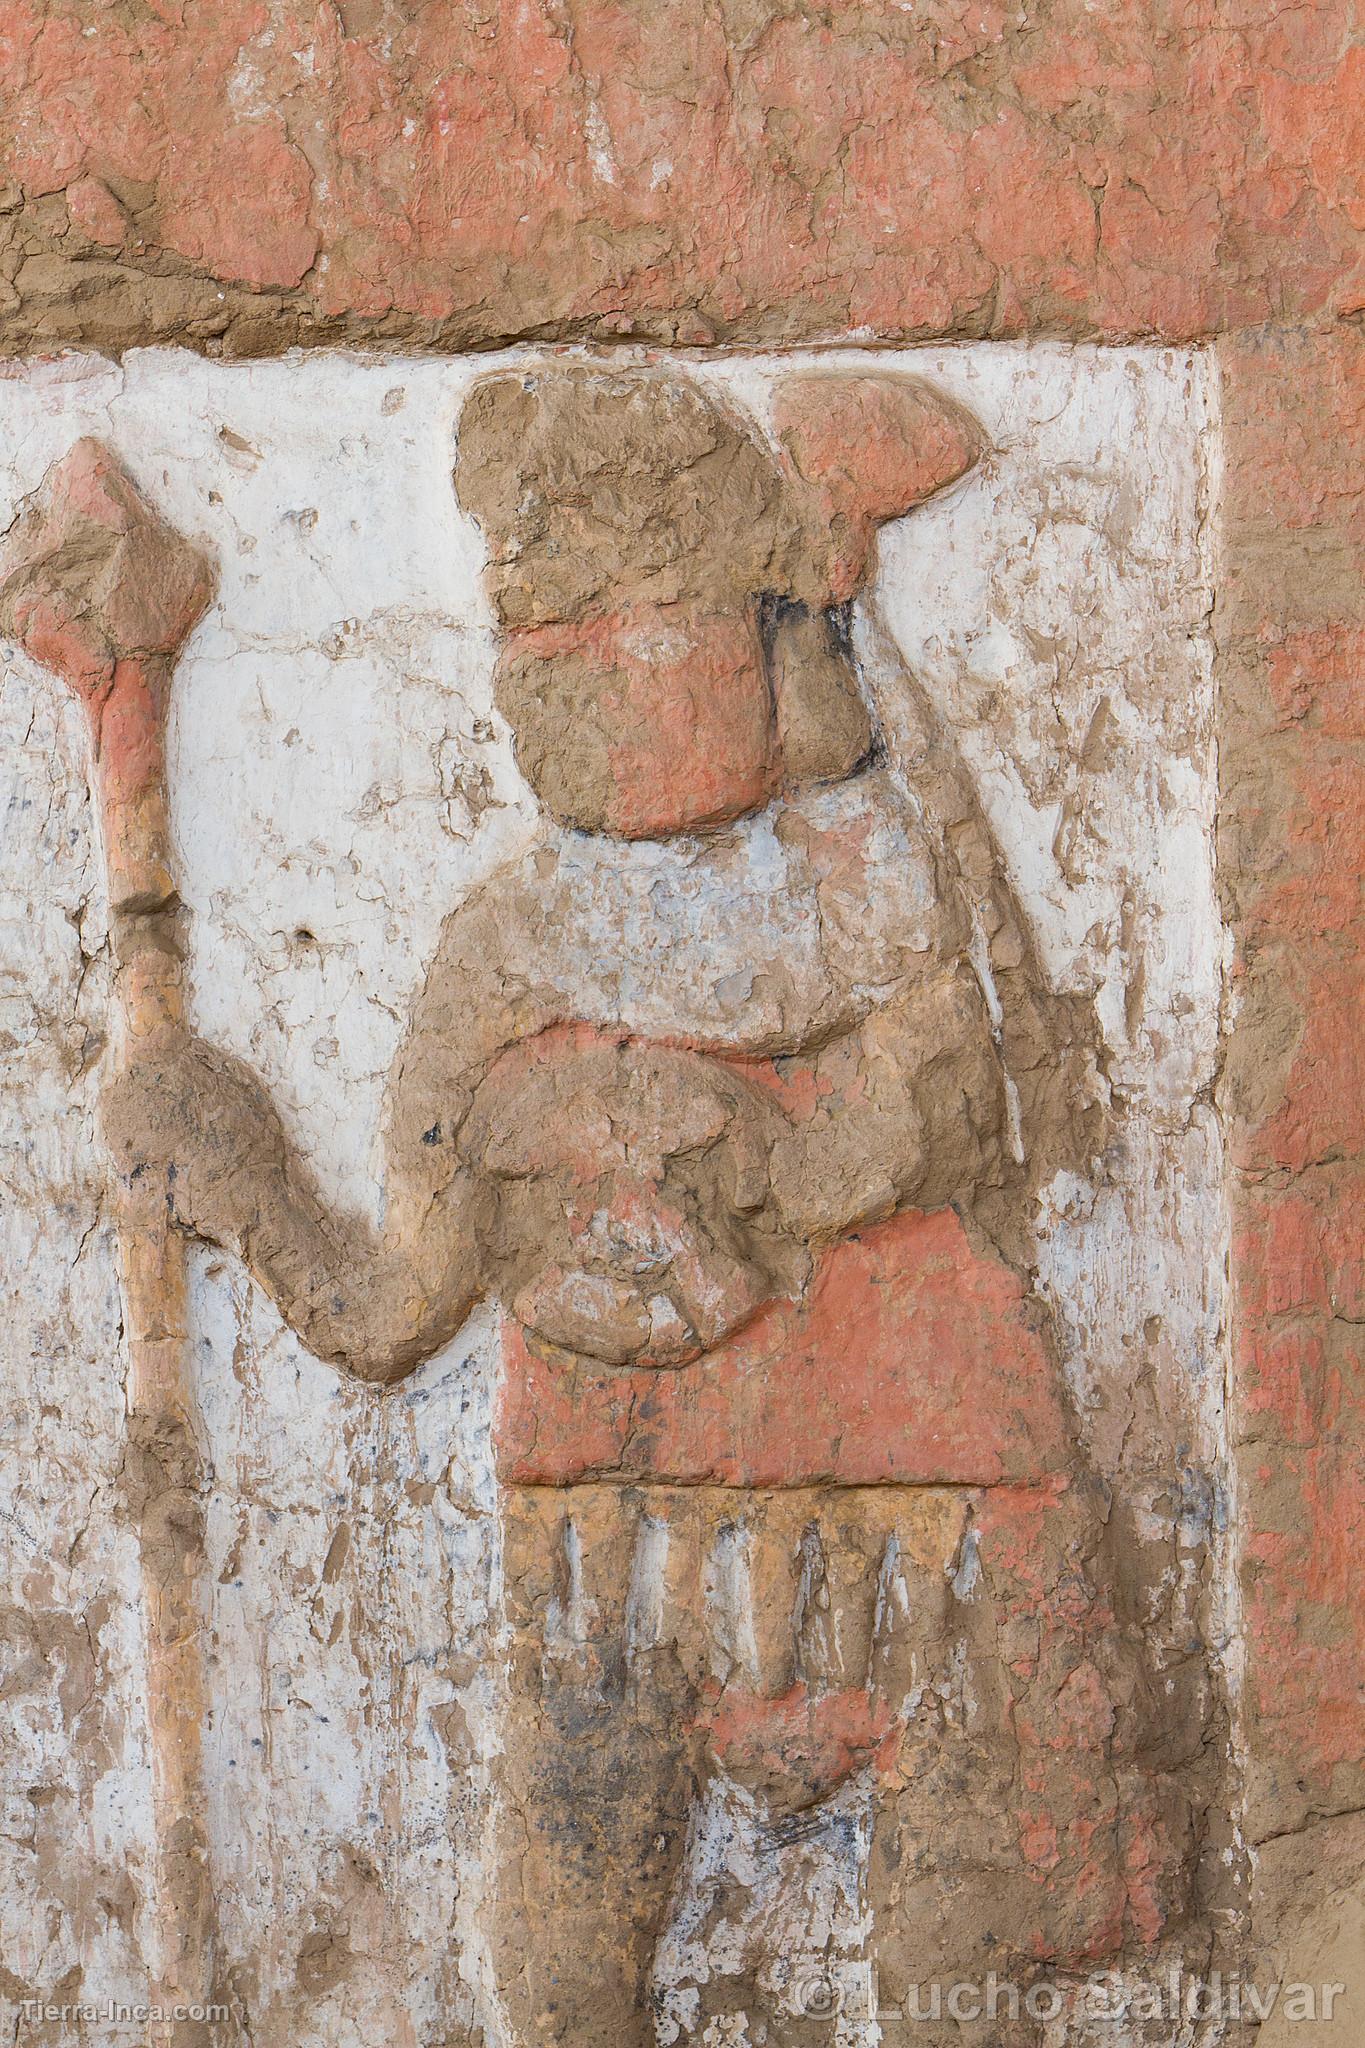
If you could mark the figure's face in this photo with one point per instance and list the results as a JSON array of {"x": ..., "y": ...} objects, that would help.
[{"x": 632, "y": 1217}]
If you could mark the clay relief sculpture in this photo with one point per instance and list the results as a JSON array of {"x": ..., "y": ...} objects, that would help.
[{"x": 758, "y": 992}]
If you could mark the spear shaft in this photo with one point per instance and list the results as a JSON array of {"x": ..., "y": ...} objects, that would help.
[
  {"x": 97, "y": 588},
  {"x": 165, "y": 1463}
]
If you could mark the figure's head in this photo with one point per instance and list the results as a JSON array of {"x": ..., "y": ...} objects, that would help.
[{"x": 668, "y": 583}]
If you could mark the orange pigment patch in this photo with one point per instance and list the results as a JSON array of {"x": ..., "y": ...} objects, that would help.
[
  {"x": 490, "y": 170},
  {"x": 913, "y": 1360},
  {"x": 688, "y": 695},
  {"x": 872, "y": 449},
  {"x": 820, "y": 1737}
]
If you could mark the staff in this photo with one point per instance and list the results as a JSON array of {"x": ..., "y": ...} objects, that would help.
[{"x": 97, "y": 588}]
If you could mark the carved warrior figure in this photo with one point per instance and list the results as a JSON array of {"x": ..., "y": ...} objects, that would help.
[
  {"x": 759, "y": 983},
  {"x": 583, "y": 1118}
]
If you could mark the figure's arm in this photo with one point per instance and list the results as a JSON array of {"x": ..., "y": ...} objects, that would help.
[
  {"x": 375, "y": 1304},
  {"x": 909, "y": 1108}
]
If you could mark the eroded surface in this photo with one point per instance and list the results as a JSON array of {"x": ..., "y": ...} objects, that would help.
[{"x": 341, "y": 780}]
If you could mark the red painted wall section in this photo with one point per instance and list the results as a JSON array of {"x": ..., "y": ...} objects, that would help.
[
  {"x": 914, "y": 1360},
  {"x": 758, "y": 166},
  {"x": 1292, "y": 851}
]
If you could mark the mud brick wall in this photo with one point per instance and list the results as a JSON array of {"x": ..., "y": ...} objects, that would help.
[
  {"x": 748, "y": 171},
  {"x": 754, "y": 608},
  {"x": 1290, "y": 816}
]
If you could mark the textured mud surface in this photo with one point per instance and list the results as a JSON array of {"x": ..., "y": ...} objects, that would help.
[
  {"x": 713, "y": 856},
  {"x": 1290, "y": 626},
  {"x": 242, "y": 176},
  {"x": 832, "y": 1131}
]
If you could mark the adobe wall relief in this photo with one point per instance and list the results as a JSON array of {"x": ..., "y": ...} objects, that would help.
[{"x": 700, "y": 941}]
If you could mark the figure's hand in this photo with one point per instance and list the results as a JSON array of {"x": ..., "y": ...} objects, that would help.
[
  {"x": 633, "y": 1219},
  {"x": 187, "y": 1115},
  {"x": 195, "y": 1130}
]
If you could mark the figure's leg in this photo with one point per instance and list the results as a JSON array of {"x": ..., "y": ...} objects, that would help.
[
  {"x": 1027, "y": 1823},
  {"x": 693, "y": 1697},
  {"x": 598, "y": 1767}
]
